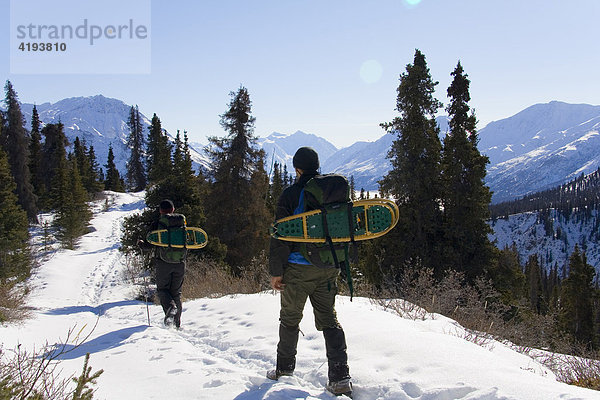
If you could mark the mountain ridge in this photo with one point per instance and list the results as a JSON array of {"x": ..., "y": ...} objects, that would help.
[{"x": 544, "y": 145}]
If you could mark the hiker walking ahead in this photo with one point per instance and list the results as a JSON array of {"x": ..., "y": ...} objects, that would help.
[
  {"x": 298, "y": 279},
  {"x": 169, "y": 265}
]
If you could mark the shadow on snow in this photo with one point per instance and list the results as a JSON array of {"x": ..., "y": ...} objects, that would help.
[{"x": 107, "y": 341}]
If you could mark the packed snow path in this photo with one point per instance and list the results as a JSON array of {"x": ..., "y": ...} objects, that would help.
[{"x": 227, "y": 344}]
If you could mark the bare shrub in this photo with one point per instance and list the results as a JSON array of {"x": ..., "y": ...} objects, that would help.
[
  {"x": 419, "y": 296},
  {"x": 34, "y": 374},
  {"x": 582, "y": 369},
  {"x": 208, "y": 278},
  {"x": 12, "y": 302},
  {"x": 412, "y": 297}
]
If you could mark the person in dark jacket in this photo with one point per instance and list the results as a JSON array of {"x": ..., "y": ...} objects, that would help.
[
  {"x": 298, "y": 280},
  {"x": 169, "y": 266}
]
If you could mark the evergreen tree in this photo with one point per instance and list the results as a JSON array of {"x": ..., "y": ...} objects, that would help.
[
  {"x": 533, "y": 274},
  {"x": 136, "y": 172},
  {"x": 182, "y": 161},
  {"x": 414, "y": 179},
  {"x": 80, "y": 155},
  {"x": 55, "y": 160},
  {"x": 277, "y": 186},
  {"x": 15, "y": 257},
  {"x": 576, "y": 314},
  {"x": 237, "y": 213},
  {"x": 72, "y": 213},
  {"x": 508, "y": 275},
  {"x": 159, "y": 152},
  {"x": 466, "y": 199},
  {"x": 113, "y": 179},
  {"x": 36, "y": 167},
  {"x": 95, "y": 183},
  {"x": 178, "y": 156},
  {"x": 288, "y": 180},
  {"x": 352, "y": 188},
  {"x": 16, "y": 142}
]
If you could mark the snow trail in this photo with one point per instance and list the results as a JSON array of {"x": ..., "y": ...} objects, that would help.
[{"x": 227, "y": 344}]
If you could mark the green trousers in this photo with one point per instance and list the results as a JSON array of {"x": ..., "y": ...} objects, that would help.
[
  {"x": 320, "y": 286},
  {"x": 309, "y": 282}
]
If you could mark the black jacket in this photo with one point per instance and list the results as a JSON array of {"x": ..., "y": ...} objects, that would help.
[{"x": 288, "y": 201}]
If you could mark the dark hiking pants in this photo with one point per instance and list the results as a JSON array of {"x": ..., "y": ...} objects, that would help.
[
  {"x": 320, "y": 286},
  {"x": 169, "y": 280}
]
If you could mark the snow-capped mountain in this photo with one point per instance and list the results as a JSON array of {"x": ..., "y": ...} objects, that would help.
[
  {"x": 98, "y": 120},
  {"x": 542, "y": 146},
  {"x": 366, "y": 161},
  {"x": 280, "y": 147}
]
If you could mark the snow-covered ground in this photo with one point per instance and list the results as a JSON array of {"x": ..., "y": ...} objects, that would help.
[{"x": 227, "y": 344}]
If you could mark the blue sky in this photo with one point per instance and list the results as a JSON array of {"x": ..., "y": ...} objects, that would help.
[{"x": 302, "y": 60}]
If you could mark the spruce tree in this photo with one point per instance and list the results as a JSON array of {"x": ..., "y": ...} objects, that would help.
[
  {"x": 414, "y": 179},
  {"x": 16, "y": 142},
  {"x": 113, "y": 179},
  {"x": 352, "y": 188},
  {"x": 72, "y": 213},
  {"x": 178, "y": 156},
  {"x": 95, "y": 183},
  {"x": 277, "y": 186},
  {"x": 36, "y": 167},
  {"x": 15, "y": 257},
  {"x": 55, "y": 160},
  {"x": 576, "y": 313},
  {"x": 465, "y": 199},
  {"x": 136, "y": 172},
  {"x": 237, "y": 213},
  {"x": 510, "y": 281},
  {"x": 80, "y": 155},
  {"x": 535, "y": 295},
  {"x": 159, "y": 152}
]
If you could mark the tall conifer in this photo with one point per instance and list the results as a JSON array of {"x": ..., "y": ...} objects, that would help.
[
  {"x": 159, "y": 152},
  {"x": 113, "y": 179},
  {"x": 15, "y": 257},
  {"x": 95, "y": 183},
  {"x": 80, "y": 155},
  {"x": 16, "y": 144},
  {"x": 414, "y": 180},
  {"x": 237, "y": 213},
  {"x": 55, "y": 160},
  {"x": 576, "y": 313},
  {"x": 36, "y": 167},
  {"x": 136, "y": 171},
  {"x": 465, "y": 197},
  {"x": 73, "y": 213}
]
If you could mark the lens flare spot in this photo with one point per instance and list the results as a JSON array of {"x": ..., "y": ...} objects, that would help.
[
  {"x": 412, "y": 3},
  {"x": 371, "y": 71}
]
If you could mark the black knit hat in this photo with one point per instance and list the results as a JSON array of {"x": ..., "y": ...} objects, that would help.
[
  {"x": 167, "y": 206},
  {"x": 306, "y": 159}
]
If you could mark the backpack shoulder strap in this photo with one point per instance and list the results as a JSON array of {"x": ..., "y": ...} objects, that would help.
[{"x": 301, "y": 207}]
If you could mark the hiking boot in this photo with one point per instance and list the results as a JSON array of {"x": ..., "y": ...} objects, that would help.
[
  {"x": 170, "y": 316},
  {"x": 275, "y": 374},
  {"x": 341, "y": 387}
]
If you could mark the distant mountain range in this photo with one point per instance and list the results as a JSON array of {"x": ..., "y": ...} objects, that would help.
[
  {"x": 540, "y": 147},
  {"x": 98, "y": 120}
]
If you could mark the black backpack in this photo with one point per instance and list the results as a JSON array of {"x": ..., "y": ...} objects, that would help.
[{"x": 172, "y": 223}]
